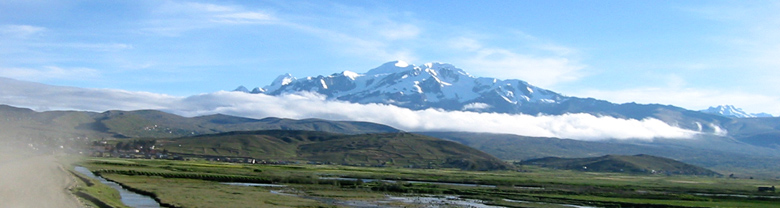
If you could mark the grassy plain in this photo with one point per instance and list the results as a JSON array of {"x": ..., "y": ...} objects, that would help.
[{"x": 199, "y": 184}]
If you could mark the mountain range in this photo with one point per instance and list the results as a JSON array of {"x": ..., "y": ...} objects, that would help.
[
  {"x": 737, "y": 138},
  {"x": 733, "y": 112},
  {"x": 444, "y": 86},
  {"x": 432, "y": 85}
]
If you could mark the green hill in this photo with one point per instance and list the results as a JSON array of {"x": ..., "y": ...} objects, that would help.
[
  {"x": 636, "y": 164},
  {"x": 26, "y": 123},
  {"x": 158, "y": 124},
  {"x": 44, "y": 130},
  {"x": 385, "y": 149}
]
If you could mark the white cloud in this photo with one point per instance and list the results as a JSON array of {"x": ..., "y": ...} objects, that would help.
[
  {"x": 299, "y": 106},
  {"x": 476, "y": 106},
  {"x": 243, "y": 18},
  {"x": 370, "y": 35},
  {"x": 750, "y": 30},
  {"x": 194, "y": 6},
  {"x": 49, "y": 73},
  {"x": 41, "y": 96},
  {"x": 94, "y": 46},
  {"x": 173, "y": 18},
  {"x": 500, "y": 62},
  {"x": 400, "y": 31},
  {"x": 463, "y": 43},
  {"x": 541, "y": 71},
  {"x": 370, "y": 48},
  {"x": 307, "y": 105},
  {"x": 20, "y": 31}
]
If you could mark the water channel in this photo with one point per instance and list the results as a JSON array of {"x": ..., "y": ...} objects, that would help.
[
  {"x": 419, "y": 182},
  {"x": 128, "y": 197}
]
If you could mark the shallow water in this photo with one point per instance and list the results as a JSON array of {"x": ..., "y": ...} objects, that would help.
[
  {"x": 431, "y": 201},
  {"x": 418, "y": 182},
  {"x": 254, "y": 184},
  {"x": 442, "y": 201},
  {"x": 129, "y": 198},
  {"x": 549, "y": 204},
  {"x": 738, "y": 196}
]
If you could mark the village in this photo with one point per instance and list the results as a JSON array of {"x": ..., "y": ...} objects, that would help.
[{"x": 147, "y": 149}]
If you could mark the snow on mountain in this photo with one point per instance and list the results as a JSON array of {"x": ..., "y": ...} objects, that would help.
[
  {"x": 431, "y": 85},
  {"x": 733, "y": 112},
  {"x": 279, "y": 82},
  {"x": 257, "y": 90},
  {"x": 446, "y": 87}
]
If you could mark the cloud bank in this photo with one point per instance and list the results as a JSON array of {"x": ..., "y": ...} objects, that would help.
[{"x": 308, "y": 105}]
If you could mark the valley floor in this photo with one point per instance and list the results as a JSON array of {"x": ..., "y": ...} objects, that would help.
[{"x": 212, "y": 184}]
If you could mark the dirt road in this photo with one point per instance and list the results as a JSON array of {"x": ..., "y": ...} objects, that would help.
[{"x": 33, "y": 180}]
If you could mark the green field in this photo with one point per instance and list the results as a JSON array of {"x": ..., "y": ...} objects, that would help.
[{"x": 199, "y": 184}]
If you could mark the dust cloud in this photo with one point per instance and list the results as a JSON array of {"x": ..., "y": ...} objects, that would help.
[{"x": 33, "y": 178}]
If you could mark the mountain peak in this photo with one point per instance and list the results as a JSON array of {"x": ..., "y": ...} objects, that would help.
[
  {"x": 400, "y": 63},
  {"x": 257, "y": 90},
  {"x": 391, "y": 67},
  {"x": 733, "y": 112},
  {"x": 352, "y": 75},
  {"x": 431, "y": 85},
  {"x": 241, "y": 89}
]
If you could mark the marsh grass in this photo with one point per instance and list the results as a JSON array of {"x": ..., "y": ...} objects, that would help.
[{"x": 199, "y": 193}]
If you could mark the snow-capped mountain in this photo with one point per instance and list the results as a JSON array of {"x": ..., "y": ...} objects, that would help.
[
  {"x": 432, "y": 85},
  {"x": 733, "y": 112},
  {"x": 444, "y": 86}
]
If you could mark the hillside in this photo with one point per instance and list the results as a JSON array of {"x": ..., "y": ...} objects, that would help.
[
  {"x": 387, "y": 149},
  {"x": 152, "y": 123},
  {"x": 636, "y": 164},
  {"x": 45, "y": 131},
  {"x": 718, "y": 153},
  {"x": 763, "y": 132}
]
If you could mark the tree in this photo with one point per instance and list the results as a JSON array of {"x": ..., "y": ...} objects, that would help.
[{"x": 119, "y": 145}]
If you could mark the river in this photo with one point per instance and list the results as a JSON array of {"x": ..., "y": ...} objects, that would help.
[{"x": 129, "y": 198}]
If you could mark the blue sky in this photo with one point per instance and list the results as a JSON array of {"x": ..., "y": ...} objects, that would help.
[{"x": 692, "y": 54}]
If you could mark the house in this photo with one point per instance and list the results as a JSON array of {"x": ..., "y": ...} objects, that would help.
[{"x": 763, "y": 189}]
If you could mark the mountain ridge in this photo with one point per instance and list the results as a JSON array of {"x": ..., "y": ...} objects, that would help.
[
  {"x": 733, "y": 112},
  {"x": 24, "y": 122},
  {"x": 436, "y": 85},
  {"x": 444, "y": 86},
  {"x": 635, "y": 164},
  {"x": 378, "y": 149}
]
